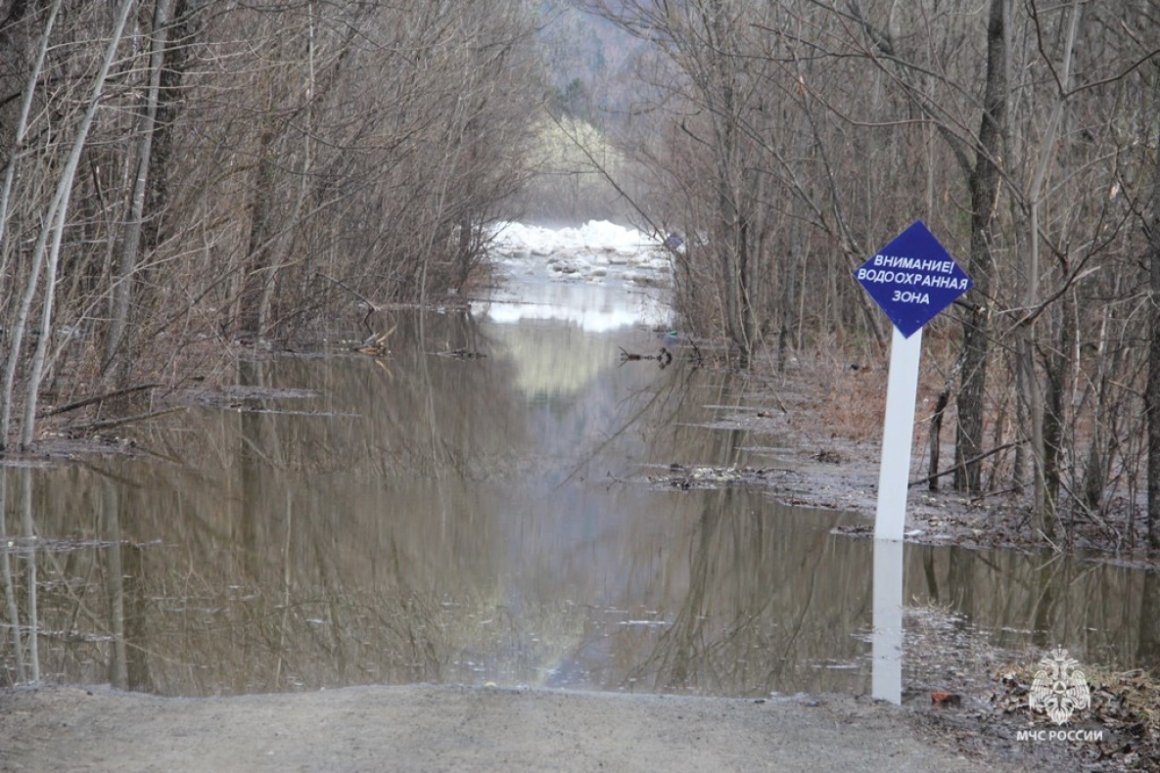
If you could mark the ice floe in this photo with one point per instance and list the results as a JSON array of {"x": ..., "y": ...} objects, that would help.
[{"x": 598, "y": 251}]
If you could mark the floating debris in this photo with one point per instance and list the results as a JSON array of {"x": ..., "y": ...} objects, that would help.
[
  {"x": 462, "y": 354},
  {"x": 663, "y": 358},
  {"x": 281, "y": 412},
  {"x": 375, "y": 345},
  {"x": 697, "y": 476}
]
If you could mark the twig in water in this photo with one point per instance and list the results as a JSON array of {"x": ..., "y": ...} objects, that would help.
[
  {"x": 96, "y": 399},
  {"x": 94, "y": 426}
]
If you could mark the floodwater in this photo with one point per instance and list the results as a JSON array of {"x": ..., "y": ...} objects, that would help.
[{"x": 425, "y": 517}]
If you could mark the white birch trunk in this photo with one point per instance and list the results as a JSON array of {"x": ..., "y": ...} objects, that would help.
[
  {"x": 16, "y": 339},
  {"x": 58, "y": 220}
]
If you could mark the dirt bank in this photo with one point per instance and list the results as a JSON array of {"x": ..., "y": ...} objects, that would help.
[
  {"x": 455, "y": 728},
  {"x": 822, "y": 421}
]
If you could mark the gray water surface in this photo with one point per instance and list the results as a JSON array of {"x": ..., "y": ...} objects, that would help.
[{"x": 422, "y": 517}]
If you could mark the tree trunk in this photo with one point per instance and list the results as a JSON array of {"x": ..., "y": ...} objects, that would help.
[
  {"x": 1152, "y": 395},
  {"x": 54, "y": 223},
  {"x": 181, "y": 36},
  {"x": 257, "y": 265},
  {"x": 16, "y": 335},
  {"x": 130, "y": 247},
  {"x": 984, "y": 189},
  {"x": 61, "y": 218},
  {"x": 1045, "y": 402},
  {"x": 1056, "y": 366}
]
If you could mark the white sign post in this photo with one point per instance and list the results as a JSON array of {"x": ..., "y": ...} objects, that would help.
[
  {"x": 890, "y": 519},
  {"x": 897, "y": 435},
  {"x": 913, "y": 279},
  {"x": 886, "y": 642}
]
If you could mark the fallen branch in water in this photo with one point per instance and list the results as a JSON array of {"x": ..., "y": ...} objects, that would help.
[
  {"x": 462, "y": 354},
  {"x": 372, "y": 307},
  {"x": 664, "y": 357},
  {"x": 96, "y": 399},
  {"x": 375, "y": 344},
  {"x": 96, "y": 426}
]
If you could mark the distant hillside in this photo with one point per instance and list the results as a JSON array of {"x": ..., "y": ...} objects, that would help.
[{"x": 589, "y": 60}]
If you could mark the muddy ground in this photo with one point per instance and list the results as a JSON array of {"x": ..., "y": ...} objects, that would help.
[{"x": 822, "y": 420}]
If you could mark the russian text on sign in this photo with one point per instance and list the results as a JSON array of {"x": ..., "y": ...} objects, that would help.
[
  {"x": 914, "y": 264},
  {"x": 912, "y": 278}
]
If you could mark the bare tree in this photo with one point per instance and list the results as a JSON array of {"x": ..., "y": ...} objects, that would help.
[
  {"x": 131, "y": 239},
  {"x": 1153, "y": 388}
]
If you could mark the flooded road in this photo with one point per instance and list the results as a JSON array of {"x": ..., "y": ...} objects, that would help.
[{"x": 475, "y": 508}]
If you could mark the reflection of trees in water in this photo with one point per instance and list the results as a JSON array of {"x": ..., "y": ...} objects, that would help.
[
  {"x": 764, "y": 603},
  {"x": 370, "y": 413},
  {"x": 1040, "y": 601},
  {"x": 320, "y": 603},
  {"x": 285, "y": 551},
  {"x": 291, "y": 550},
  {"x": 758, "y": 598},
  {"x": 125, "y": 583},
  {"x": 1149, "y": 646},
  {"x": 13, "y": 644},
  {"x": 766, "y": 598},
  {"x": 767, "y": 605}
]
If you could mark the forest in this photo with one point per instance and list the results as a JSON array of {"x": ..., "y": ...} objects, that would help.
[
  {"x": 179, "y": 173},
  {"x": 181, "y": 177}
]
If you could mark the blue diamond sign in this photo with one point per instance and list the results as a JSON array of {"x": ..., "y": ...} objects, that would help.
[{"x": 913, "y": 278}]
